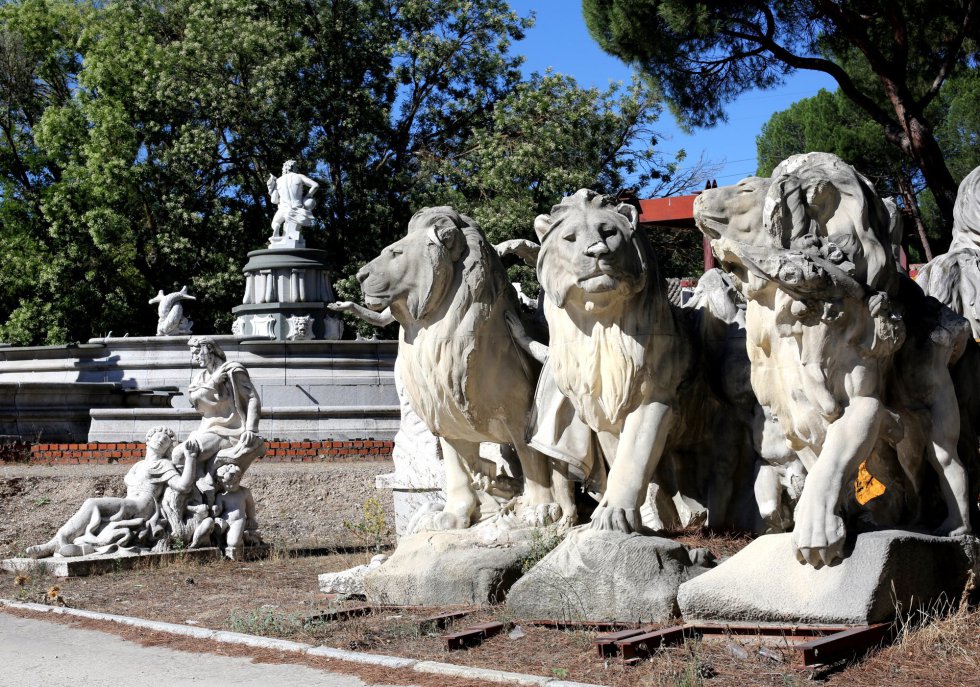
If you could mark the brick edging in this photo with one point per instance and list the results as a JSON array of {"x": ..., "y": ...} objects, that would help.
[{"x": 102, "y": 453}]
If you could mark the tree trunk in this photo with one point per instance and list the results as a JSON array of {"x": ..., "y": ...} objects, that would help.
[
  {"x": 912, "y": 204},
  {"x": 931, "y": 161},
  {"x": 923, "y": 149}
]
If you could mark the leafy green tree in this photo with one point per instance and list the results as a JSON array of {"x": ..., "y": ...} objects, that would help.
[
  {"x": 830, "y": 122},
  {"x": 544, "y": 140},
  {"x": 140, "y": 134},
  {"x": 704, "y": 54},
  {"x": 137, "y": 137},
  {"x": 547, "y": 139}
]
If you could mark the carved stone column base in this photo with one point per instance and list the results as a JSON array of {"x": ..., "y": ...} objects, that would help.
[{"x": 286, "y": 296}]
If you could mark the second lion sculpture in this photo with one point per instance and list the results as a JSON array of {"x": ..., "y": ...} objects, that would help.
[
  {"x": 466, "y": 367},
  {"x": 635, "y": 379}
]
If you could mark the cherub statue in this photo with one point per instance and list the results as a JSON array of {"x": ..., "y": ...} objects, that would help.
[
  {"x": 134, "y": 519},
  {"x": 234, "y": 512}
]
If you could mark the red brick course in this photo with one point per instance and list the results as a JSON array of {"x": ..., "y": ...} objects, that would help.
[{"x": 279, "y": 452}]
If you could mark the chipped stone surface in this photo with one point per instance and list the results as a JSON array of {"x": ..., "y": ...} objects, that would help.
[
  {"x": 602, "y": 576},
  {"x": 764, "y": 582}
]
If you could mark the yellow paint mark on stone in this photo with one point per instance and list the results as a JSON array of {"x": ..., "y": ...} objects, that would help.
[{"x": 866, "y": 487}]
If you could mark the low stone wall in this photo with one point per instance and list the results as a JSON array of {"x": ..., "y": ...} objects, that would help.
[
  {"x": 359, "y": 450},
  {"x": 114, "y": 389}
]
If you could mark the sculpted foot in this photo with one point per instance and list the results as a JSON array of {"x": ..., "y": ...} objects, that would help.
[
  {"x": 42, "y": 550},
  {"x": 540, "y": 515},
  {"x": 615, "y": 519}
]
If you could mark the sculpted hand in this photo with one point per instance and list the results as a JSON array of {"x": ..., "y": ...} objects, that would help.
[
  {"x": 525, "y": 250},
  {"x": 247, "y": 438},
  {"x": 192, "y": 450},
  {"x": 340, "y": 306}
]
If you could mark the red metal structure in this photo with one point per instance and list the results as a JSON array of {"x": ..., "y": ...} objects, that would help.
[
  {"x": 677, "y": 214},
  {"x": 674, "y": 214}
]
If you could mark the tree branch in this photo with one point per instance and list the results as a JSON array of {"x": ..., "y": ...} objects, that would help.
[{"x": 952, "y": 54}]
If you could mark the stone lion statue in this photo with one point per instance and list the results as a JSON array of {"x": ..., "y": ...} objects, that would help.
[
  {"x": 466, "y": 364},
  {"x": 625, "y": 380},
  {"x": 847, "y": 354},
  {"x": 954, "y": 278}
]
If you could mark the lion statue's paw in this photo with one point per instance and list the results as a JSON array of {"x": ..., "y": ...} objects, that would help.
[
  {"x": 953, "y": 527},
  {"x": 615, "y": 519},
  {"x": 439, "y": 521},
  {"x": 818, "y": 540},
  {"x": 539, "y": 515}
]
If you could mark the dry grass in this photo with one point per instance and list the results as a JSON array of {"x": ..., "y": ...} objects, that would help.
[{"x": 276, "y": 596}]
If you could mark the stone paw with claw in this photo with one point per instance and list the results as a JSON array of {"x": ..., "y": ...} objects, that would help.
[
  {"x": 819, "y": 535},
  {"x": 616, "y": 519}
]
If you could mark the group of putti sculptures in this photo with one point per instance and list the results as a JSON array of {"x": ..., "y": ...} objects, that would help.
[
  {"x": 187, "y": 494},
  {"x": 808, "y": 359}
]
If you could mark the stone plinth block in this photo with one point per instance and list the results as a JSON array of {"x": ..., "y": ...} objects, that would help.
[
  {"x": 883, "y": 571},
  {"x": 457, "y": 567},
  {"x": 97, "y": 564},
  {"x": 602, "y": 576}
]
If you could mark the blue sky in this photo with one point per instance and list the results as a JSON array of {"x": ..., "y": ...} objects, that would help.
[{"x": 561, "y": 41}]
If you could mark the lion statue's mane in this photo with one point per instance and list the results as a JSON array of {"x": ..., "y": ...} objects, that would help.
[
  {"x": 604, "y": 360},
  {"x": 954, "y": 278},
  {"x": 456, "y": 328}
]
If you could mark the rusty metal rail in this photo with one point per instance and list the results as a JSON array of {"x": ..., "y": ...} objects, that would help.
[
  {"x": 473, "y": 635},
  {"x": 831, "y": 643}
]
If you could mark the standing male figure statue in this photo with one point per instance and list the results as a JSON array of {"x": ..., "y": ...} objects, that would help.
[{"x": 295, "y": 203}]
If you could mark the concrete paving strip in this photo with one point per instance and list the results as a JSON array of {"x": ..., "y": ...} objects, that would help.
[{"x": 431, "y": 667}]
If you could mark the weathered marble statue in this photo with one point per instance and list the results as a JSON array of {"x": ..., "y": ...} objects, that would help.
[
  {"x": 223, "y": 393},
  {"x": 188, "y": 492},
  {"x": 847, "y": 355},
  {"x": 293, "y": 194},
  {"x": 954, "y": 278},
  {"x": 108, "y": 523},
  {"x": 625, "y": 385},
  {"x": 469, "y": 376},
  {"x": 170, "y": 313}
]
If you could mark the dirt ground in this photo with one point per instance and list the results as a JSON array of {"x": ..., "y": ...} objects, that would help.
[
  {"x": 298, "y": 504},
  {"x": 279, "y": 597}
]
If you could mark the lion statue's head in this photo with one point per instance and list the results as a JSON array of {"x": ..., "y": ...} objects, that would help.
[
  {"x": 734, "y": 212},
  {"x": 811, "y": 198},
  {"x": 415, "y": 275},
  {"x": 590, "y": 251},
  {"x": 605, "y": 299}
]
